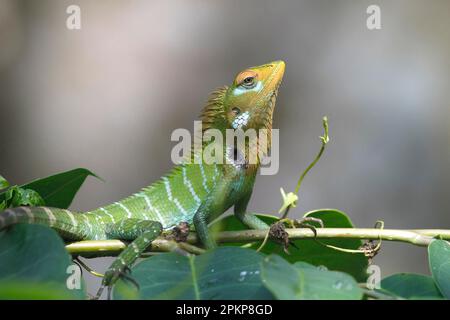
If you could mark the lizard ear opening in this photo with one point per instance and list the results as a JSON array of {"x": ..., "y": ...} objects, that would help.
[{"x": 236, "y": 110}]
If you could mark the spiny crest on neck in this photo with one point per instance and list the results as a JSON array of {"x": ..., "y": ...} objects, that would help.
[{"x": 213, "y": 114}]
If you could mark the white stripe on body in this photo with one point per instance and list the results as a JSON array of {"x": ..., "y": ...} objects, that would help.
[
  {"x": 129, "y": 214},
  {"x": 72, "y": 218},
  {"x": 51, "y": 216},
  {"x": 188, "y": 183},
  {"x": 151, "y": 208},
  {"x": 108, "y": 214}
]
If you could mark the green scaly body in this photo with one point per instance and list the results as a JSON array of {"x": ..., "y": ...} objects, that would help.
[
  {"x": 173, "y": 199},
  {"x": 195, "y": 193}
]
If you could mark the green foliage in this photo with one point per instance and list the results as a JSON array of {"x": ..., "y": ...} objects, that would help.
[
  {"x": 55, "y": 191},
  {"x": 34, "y": 263},
  {"x": 418, "y": 286},
  {"x": 234, "y": 273},
  {"x": 224, "y": 273},
  {"x": 302, "y": 281},
  {"x": 411, "y": 286},
  {"x": 439, "y": 260},
  {"x": 3, "y": 183},
  {"x": 33, "y": 260},
  {"x": 312, "y": 251},
  {"x": 17, "y": 196},
  {"x": 29, "y": 269},
  {"x": 24, "y": 290}
]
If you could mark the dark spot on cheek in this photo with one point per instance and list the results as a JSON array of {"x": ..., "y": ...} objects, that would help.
[{"x": 239, "y": 159}]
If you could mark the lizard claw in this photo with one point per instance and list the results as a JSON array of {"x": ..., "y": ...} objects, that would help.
[
  {"x": 303, "y": 223},
  {"x": 278, "y": 232},
  {"x": 99, "y": 293},
  {"x": 180, "y": 232},
  {"x": 111, "y": 277}
]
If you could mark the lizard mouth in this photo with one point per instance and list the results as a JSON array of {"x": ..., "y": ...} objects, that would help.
[{"x": 273, "y": 97}]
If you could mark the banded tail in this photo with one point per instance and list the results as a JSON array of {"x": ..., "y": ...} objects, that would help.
[
  {"x": 63, "y": 221},
  {"x": 170, "y": 200}
]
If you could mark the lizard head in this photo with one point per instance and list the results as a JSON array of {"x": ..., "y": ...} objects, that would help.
[
  {"x": 247, "y": 104},
  {"x": 250, "y": 100}
]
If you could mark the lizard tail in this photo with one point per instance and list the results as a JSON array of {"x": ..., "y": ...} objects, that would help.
[{"x": 63, "y": 221}]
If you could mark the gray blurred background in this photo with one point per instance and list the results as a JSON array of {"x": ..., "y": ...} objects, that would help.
[{"x": 108, "y": 96}]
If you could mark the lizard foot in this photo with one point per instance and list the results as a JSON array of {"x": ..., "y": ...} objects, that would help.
[
  {"x": 111, "y": 276},
  {"x": 278, "y": 232},
  {"x": 304, "y": 223},
  {"x": 180, "y": 232}
]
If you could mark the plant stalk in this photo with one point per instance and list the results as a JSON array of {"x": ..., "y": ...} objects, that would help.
[{"x": 420, "y": 237}]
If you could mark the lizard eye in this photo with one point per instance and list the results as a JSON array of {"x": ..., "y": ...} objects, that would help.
[
  {"x": 248, "y": 82},
  {"x": 236, "y": 111},
  {"x": 247, "y": 79}
]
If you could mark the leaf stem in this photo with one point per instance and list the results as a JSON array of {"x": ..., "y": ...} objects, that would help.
[
  {"x": 325, "y": 139},
  {"x": 422, "y": 237}
]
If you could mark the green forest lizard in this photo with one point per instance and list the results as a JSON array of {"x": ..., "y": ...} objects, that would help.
[{"x": 195, "y": 193}]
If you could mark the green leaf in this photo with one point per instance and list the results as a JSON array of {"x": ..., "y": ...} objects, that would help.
[
  {"x": 16, "y": 196},
  {"x": 306, "y": 282},
  {"x": 27, "y": 197},
  {"x": 411, "y": 286},
  {"x": 310, "y": 250},
  {"x": 439, "y": 260},
  {"x": 223, "y": 273},
  {"x": 24, "y": 290},
  {"x": 3, "y": 183},
  {"x": 58, "y": 190},
  {"x": 33, "y": 257}
]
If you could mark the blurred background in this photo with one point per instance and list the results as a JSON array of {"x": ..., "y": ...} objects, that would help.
[{"x": 108, "y": 96}]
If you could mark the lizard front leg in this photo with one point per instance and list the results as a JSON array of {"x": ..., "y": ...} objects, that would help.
[
  {"x": 214, "y": 205},
  {"x": 249, "y": 219},
  {"x": 142, "y": 232},
  {"x": 277, "y": 231},
  {"x": 253, "y": 222}
]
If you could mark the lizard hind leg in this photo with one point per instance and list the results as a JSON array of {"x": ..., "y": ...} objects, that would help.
[{"x": 141, "y": 233}]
